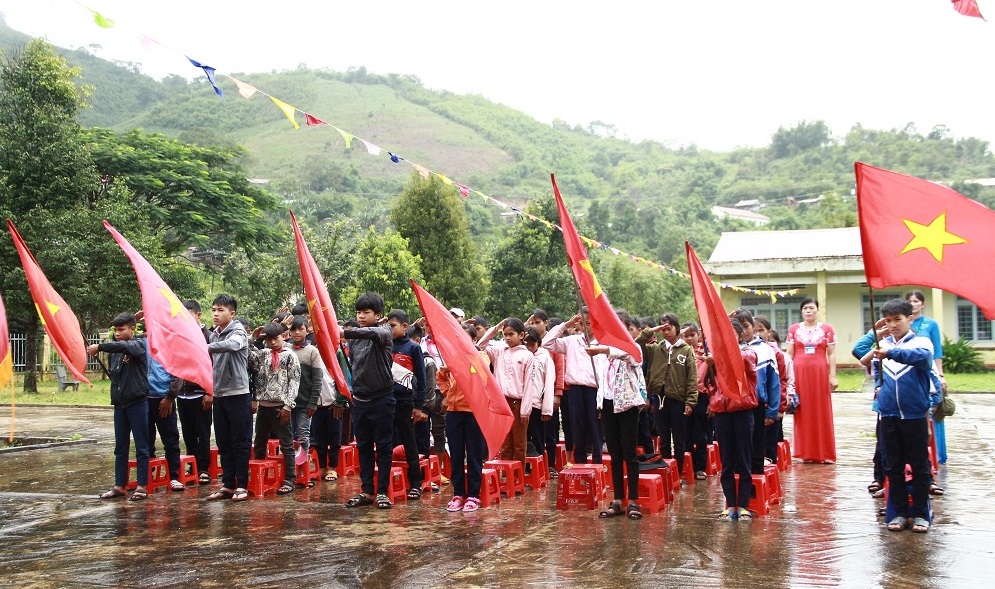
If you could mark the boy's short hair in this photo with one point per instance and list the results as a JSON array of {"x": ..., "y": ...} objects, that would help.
[
  {"x": 743, "y": 316},
  {"x": 553, "y": 322},
  {"x": 670, "y": 318},
  {"x": 648, "y": 322},
  {"x": 690, "y": 327},
  {"x": 480, "y": 321},
  {"x": 350, "y": 323},
  {"x": 227, "y": 301},
  {"x": 415, "y": 332},
  {"x": 125, "y": 318},
  {"x": 400, "y": 314},
  {"x": 896, "y": 307},
  {"x": 279, "y": 317},
  {"x": 299, "y": 309},
  {"x": 192, "y": 305},
  {"x": 540, "y": 315},
  {"x": 627, "y": 320},
  {"x": 297, "y": 322},
  {"x": 272, "y": 329},
  {"x": 371, "y": 301},
  {"x": 532, "y": 335},
  {"x": 244, "y": 322}
]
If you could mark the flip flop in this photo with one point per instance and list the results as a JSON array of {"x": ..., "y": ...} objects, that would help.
[
  {"x": 112, "y": 494},
  {"x": 898, "y": 524},
  {"x": 359, "y": 500},
  {"x": 221, "y": 493},
  {"x": 935, "y": 489},
  {"x": 920, "y": 525},
  {"x": 139, "y": 495},
  {"x": 383, "y": 502},
  {"x": 175, "y": 485},
  {"x": 240, "y": 495},
  {"x": 874, "y": 487},
  {"x": 331, "y": 476},
  {"x": 285, "y": 488}
]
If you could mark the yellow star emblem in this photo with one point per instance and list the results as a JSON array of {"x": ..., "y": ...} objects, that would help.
[
  {"x": 931, "y": 237},
  {"x": 175, "y": 306},
  {"x": 52, "y": 308},
  {"x": 586, "y": 265}
]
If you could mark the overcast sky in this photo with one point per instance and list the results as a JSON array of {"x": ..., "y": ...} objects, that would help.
[{"x": 718, "y": 73}]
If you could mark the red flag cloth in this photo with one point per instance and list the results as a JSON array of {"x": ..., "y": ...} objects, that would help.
[
  {"x": 6, "y": 358},
  {"x": 486, "y": 400},
  {"x": 175, "y": 337},
  {"x": 723, "y": 342},
  {"x": 605, "y": 324},
  {"x": 56, "y": 317},
  {"x": 913, "y": 231},
  {"x": 319, "y": 304},
  {"x": 313, "y": 121},
  {"x": 968, "y": 8}
]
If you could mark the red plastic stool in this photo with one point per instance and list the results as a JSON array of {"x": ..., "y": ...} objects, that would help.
[
  {"x": 537, "y": 473},
  {"x": 606, "y": 460},
  {"x": 214, "y": 469},
  {"x": 783, "y": 456},
  {"x": 403, "y": 465},
  {"x": 512, "y": 473},
  {"x": 308, "y": 471},
  {"x": 435, "y": 468},
  {"x": 430, "y": 474},
  {"x": 664, "y": 473},
  {"x": 264, "y": 476},
  {"x": 561, "y": 457},
  {"x": 188, "y": 469},
  {"x": 718, "y": 456},
  {"x": 787, "y": 444},
  {"x": 602, "y": 472},
  {"x": 652, "y": 495},
  {"x": 348, "y": 461},
  {"x": 272, "y": 448},
  {"x": 773, "y": 483},
  {"x": 158, "y": 475},
  {"x": 712, "y": 466},
  {"x": 397, "y": 487},
  {"x": 579, "y": 487},
  {"x": 759, "y": 495},
  {"x": 688, "y": 473},
  {"x": 490, "y": 487},
  {"x": 675, "y": 477},
  {"x": 447, "y": 465}
]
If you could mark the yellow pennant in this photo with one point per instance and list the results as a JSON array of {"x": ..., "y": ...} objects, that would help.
[{"x": 287, "y": 110}]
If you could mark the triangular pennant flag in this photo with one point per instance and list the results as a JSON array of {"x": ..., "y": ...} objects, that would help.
[
  {"x": 394, "y": 158},
  {"x": 370, "y": 148},
  {"x": 445, "y": 180},
  {"x": 463, "y": 190},
  {"x": 209, "y": 72},
  {"x": 312, "y": 121},
  {"x": 101, "y": 20},
  {"x": 422, "y": 170},
  {"x": 287, "y": 110},
  {"x": 6, "y": 355},
  {"x": 347, "y": 137},
  {"x": 968, "y": 8},
  {"x": 246, "y": 90}
]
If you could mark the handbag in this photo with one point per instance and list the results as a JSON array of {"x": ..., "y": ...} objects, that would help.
[
  {"x": 946, "y": 408},
  {"x": 628, "y": 384}
]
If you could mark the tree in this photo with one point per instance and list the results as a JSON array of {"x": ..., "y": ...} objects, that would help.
[
  {"x": 802, "y": 137},
  {"x": 431, "y": 217},
  {"x": 529, "y": 268},
  {"x": 384, "y": 264},
  {"x": 642, "y": 290}
]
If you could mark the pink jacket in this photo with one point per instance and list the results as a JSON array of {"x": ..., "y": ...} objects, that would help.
[
  {"x": 541, "y": 386},
  {"x": 579, "y": 369}
]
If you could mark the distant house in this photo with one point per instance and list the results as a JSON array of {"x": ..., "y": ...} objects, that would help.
[
  {"x": 744, "y": 215},
  {"x": 828, "y": 265}
]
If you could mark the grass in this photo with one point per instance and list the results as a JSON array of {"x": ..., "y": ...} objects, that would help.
[
  {"x": 850, "y": 379},
  {"x": 98, "y": 394}
]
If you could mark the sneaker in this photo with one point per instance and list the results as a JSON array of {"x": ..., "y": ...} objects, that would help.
[
  {"x": 700, "y": 475},
  {"x": 472, "y": 504},
  {"x": 455, "y": 505}
]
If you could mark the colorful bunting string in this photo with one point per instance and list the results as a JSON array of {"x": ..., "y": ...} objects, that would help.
[{"x": 248, "y": 91}]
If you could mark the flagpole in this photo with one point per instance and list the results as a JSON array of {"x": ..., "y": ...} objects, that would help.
[
  {"x": 11, "y": 385},
  {"x": 587, "y": 331},
  {"x": 877, "y": 339}
]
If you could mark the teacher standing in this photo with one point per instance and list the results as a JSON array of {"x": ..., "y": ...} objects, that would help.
[{"x": 812, "y": 347}]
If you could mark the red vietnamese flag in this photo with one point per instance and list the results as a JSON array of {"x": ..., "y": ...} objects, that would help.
[
  {"x": 319, "y": 305},
  {"x": 605, "y": 324},
  {"x": 486, "y": 400},
  {"x": 56, "y": 317},
  {"x": 6, "y": 358},
  {"x": 175, "y": 337},
  {"x": 715, "y": 325},
  {"x": 913, "y": 231},
  {"x": 968, "y": 8}
]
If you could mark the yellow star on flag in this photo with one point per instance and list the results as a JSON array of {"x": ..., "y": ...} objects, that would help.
[
  {"x": 586, "y": 265},
  {"x": 931, "y": 237},
  {"x": 175, "y": 306},
  {"x": 52, "y": 308}
]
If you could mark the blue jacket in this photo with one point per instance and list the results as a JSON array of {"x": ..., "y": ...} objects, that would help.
[
  {"x": 768, "y": 381},
  {"x": 159, "y": 379},
  {"x": 905, "y": 388},
  {"x": 408, "y": 354}
]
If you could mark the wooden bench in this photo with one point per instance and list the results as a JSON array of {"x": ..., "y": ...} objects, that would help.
[{"x": 65, "y": 379}]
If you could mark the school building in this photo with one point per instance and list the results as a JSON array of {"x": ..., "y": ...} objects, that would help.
[{"x": 827, "y": 264}]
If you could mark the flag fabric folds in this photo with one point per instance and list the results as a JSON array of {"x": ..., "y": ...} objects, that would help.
[
  {"x": 209, "y": 72},
  {"x": 56, "y": 317},
  {"x": 245, "y": 90},
  {"x": 6, "y": 357},
  {"x": 968, "y": 8},
  {"x": 721, "y": 337},
  {"x": 287, "y": 110},
  {"x": 313, "y": 121},
  {"x": 913, "y": 231},
  {"x": 174, "y": 336},
  {"x": 486, "y": 400},
  {"x": 319, "y": 304},
  {"x": 605, "y": 324}
]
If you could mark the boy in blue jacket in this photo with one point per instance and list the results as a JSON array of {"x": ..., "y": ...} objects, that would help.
[
  {"x": 408, "y": 371},
  {"x": 904, "y": 362}
]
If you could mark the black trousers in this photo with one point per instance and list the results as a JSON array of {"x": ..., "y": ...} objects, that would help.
[
  {"x": 671, "y": 424},
  {"x": 621, "y": 431},
  {"x": 404, "y": 435},
  {"x": 698, "y": 435},
  {"x": 326, "y": 437},
  {"x": 233, "y": 433},
  {"x": 373, "y": 425},
  {"x": 168, "y": 431},
  {"x": 195, "y": 423},
  {"x": 734, "y": 433},
  {"x": 906, "y": 441},
  {"x": 759, "y": 435}
]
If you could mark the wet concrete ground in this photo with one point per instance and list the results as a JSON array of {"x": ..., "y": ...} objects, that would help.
[{"x": 54, "y": 532}]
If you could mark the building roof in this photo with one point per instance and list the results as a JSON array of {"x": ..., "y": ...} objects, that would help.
[
  {"x": 747, "y": 246},
  {"x": 745, "y": 215}
]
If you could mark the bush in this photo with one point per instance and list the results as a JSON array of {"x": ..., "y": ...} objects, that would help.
[{"x": 961, "y": 357}]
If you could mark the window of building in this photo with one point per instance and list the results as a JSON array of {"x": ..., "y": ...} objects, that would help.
[
  {"x": 971, "y": 322},
  {"x": 880, "y": 298},
  {"x": 782, "y": 314}
]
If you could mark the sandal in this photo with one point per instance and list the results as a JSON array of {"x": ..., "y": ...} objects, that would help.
[
  {"x": 700, "y": 475},
  {"x": 898, "y": 524},
  {"x": 633, "y": 511},
  {"x": 331, "y": 475},
  {"x": 414, "y": 493},
  {"x": 383, "y": 502},
  {"x": 175, "y": 485},
  {"x": 920, "y": 525},
  {"x": 472, "y": 504},
  {"x": 744, "y": 514},
  {"x": 222, "y": 493},
  {"x": 140, "y": 494},
  {"x": 726, "y": 516},
  {"x": 456, "y": 504},
  {"x": 112, "y": 494},
  {"x": 935, "y": 489},
  {"x": 205, "y": 479},
  {"x": 285, "y": 488},
  {"x": 874, "y": 487},
  {"x": 359, "y": 500},
  {"x": 240, "y": 495},
  {"x": 614, "y": 510}
]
